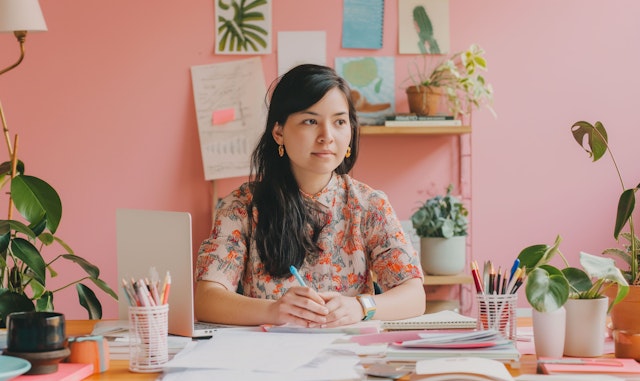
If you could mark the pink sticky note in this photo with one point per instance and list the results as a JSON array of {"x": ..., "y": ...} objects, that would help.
[{"x": 223, "y": 116}]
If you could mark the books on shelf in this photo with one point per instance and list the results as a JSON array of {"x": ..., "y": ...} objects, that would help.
[
  {"x": 412, "y": 120},
  {"x": 410, "y": 116},
  {"x": 445, "y": 319},
  {"x": 574, "y": 365}
]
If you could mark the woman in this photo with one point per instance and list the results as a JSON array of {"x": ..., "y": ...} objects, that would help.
[{"x": 307, "y": 212}]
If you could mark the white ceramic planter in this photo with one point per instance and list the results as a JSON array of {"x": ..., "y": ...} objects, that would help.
[
  {"x": 585, "y": 327},
  {"x": 443, "y": 256},
  {"x": 549, "y": 332}
]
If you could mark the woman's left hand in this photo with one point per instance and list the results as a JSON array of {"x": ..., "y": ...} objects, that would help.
[{"x": 343, "y": 309}]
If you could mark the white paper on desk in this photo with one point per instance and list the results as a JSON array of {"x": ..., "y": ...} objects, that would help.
[
  {"x": 324, "y": 367},
  {"x": 254, "y": 351}
]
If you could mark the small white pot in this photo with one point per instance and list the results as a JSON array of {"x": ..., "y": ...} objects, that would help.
[
  {"x": 549, "y": 332},
  {"x": 585, "y": 327},
  {"x": 443, "y": 256}
]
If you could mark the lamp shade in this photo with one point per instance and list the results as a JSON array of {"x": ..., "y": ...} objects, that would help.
[{"x": 21, "y": 15}]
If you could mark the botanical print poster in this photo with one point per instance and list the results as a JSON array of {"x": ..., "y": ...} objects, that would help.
[
  {"x": 243, "y": 27},
  {"x": 423, "y": 26},
  {"x": 372, "y": 86}
]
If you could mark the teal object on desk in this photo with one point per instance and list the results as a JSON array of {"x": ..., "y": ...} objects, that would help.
[{"x": 11, "y": 367}]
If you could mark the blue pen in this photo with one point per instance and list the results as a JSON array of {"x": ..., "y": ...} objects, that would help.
[
  {"x": 295, "y": 273},
  {"x": 515, "y": 266}
]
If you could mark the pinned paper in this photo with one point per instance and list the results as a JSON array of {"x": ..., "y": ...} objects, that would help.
[{"x": 223, "y": 116}]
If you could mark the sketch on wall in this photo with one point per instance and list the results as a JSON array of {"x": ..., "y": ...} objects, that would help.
[
  {"x": 372, "y": 86},
  {"x": 423, "y": 26},
  {"x": 229, "y": 102},
  {"x": 243, "y": 26}
]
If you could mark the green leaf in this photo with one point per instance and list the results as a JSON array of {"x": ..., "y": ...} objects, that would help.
[
  {"x": 35, "y": 200},
  {"x": 45, "y": 302},
  {"x": 579, "y": 281},
  {"x": 546, "y": 292},
  {"x": 626, "y": 204},
  {"x": 597, "y": 138},
  {"x": 28, "y": 254},
  {"x": 532, "y": 256},
  {"x": 104, "y": 287},
  {"x": 89, "y": 301},
  {"x": 88, "y": 267}
]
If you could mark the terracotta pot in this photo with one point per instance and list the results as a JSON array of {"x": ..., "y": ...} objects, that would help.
[
  {"x": 625, "y": 323},
  {"x": 424, "y": 100}
]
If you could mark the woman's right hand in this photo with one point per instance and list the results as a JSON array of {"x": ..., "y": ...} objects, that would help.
[{"x": 300, "y": 306}]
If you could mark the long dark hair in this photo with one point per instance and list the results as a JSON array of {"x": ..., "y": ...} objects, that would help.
[{"x": 288, "y": 226}]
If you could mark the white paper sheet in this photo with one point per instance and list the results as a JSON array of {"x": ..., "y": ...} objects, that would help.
[{"x": 254, "y": 351}]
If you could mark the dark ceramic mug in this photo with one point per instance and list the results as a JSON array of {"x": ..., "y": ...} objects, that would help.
[{"x": 35, "y": 331}]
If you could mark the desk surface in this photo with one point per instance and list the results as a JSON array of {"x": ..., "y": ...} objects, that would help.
[{"x": 119, "y": 369}]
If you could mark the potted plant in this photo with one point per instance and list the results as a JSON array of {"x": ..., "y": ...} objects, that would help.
[
  {"x": 441, "y": 223},
  {"x": 23, "y": 268},
  {"x": 582, "y": 293},
  {"x": 458, "y": 79},
  {"x": 593, "y": 139}
]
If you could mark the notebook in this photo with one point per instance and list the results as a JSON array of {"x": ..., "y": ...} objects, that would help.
[
  {"x": 160, "y": 239},
  {"x": 445, "y": 319}
]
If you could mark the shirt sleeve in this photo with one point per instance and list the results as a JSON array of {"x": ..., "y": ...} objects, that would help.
[
  {"x": 222, "y": 256},
  {"x": 393, "y": 257}
]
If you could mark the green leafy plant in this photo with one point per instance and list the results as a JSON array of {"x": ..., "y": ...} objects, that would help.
[
  {"x": 547, "y": 287},
  {"x": 241, "y": 32},
  {"x": 459, "y": 76},
  {"x": 594, "y": 140},
  {"x": 23, "y": 269},
  {"x": 441, "y": 216}
]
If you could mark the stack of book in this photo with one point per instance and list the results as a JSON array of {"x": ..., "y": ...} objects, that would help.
[
  {"x": 414, "y": 120},
  {"x": 488, "y": 344}
]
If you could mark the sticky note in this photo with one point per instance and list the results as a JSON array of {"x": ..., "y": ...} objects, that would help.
[{"x": 223, "y": 116}]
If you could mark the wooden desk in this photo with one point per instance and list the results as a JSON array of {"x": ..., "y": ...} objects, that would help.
[{"x": 119, "y": 369}]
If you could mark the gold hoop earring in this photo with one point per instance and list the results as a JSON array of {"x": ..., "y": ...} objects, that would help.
[
  {"x": 348, "y": 154},
  {"x": 281, "y": 150}
]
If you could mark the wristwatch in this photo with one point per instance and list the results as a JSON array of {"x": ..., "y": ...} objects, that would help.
[{"x": 368, "y": 305}]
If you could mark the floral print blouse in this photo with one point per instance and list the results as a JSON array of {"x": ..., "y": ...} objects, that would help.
[{"x": 362, "y": 236}]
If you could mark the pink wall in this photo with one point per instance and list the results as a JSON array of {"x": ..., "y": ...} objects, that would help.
[{"x": 104, "y": 108}]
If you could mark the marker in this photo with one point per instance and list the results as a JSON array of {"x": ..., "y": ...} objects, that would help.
[
  {"x": 295, "y": 273},
  {"x": 516, "y": 264}
]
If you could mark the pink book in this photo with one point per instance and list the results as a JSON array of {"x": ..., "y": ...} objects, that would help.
[
  {"x": 66, "y": 372},
  {"x": 576, "y": 365}
]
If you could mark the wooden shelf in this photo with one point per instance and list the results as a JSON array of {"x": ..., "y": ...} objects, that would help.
[
  {"x": 445, "y": 130},
  {"x": 439, "y": 280}
]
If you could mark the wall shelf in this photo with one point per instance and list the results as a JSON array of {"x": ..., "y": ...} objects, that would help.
[{"x": 435, "y": 130}]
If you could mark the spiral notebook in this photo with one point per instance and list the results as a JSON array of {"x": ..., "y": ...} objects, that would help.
[{"x": 445, "y": 319}]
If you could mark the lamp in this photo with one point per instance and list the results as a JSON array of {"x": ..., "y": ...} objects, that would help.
[{"x": 19, "y": 17}]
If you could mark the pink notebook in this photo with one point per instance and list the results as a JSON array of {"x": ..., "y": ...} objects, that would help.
[
  {"x": 66, "y": 372},
  {"x": 575, "y": 365}
]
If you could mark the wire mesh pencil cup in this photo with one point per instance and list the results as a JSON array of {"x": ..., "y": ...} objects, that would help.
[
  {"x": 148, "y": 346},
  {"x": 498, "y": 312}
]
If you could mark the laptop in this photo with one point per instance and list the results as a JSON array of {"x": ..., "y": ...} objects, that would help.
[{"x": 160, "y": 239}]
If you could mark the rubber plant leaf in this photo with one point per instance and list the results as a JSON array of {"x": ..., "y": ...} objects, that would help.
[
  {"x": 13, "y": 302},
  {"x": 35, "y": 200},
  {"x": 89, "y": 301},
  {"x": 27, "y": 253}
]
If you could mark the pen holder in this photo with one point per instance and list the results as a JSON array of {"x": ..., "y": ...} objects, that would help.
[
  {"x": 148, "y": 347},
  {"x": 498, "y": 312}
]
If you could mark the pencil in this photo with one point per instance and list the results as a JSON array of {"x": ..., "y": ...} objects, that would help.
[{"x": 296, "y": 274}]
